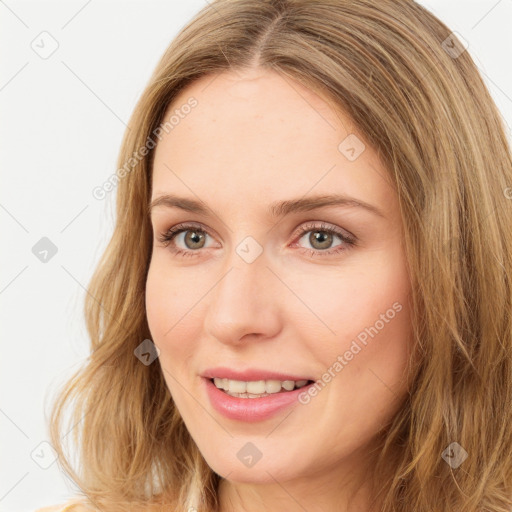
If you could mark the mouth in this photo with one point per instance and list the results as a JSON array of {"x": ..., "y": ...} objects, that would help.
[
  {"x": 253, "y": 400},
  {"x": 257, "y": 388}
]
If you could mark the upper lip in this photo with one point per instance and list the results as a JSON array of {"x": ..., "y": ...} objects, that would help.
[{"x": 250, "y": 374}]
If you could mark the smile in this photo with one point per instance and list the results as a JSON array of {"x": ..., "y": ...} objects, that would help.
[
  {"x": 256, "y": 388},
  {"x": 252, "y": 407}
]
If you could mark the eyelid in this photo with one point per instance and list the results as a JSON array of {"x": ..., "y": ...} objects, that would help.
[
  {"x": 324, "y": 226},
  {"x": 183, "y": 227}
]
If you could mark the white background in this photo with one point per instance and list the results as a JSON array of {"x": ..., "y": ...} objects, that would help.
[{"x": 62, "y": 120}]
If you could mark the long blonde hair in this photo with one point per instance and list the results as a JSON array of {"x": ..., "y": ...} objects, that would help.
[{"x": 417, "y": 96}]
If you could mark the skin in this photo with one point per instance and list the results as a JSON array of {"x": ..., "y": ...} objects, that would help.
[{"x": 255, "y": 138}]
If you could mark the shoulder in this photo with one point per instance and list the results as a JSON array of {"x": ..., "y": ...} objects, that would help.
[
  {"x": 79, "y": 506},
  {"x": 69, "y": 506}
]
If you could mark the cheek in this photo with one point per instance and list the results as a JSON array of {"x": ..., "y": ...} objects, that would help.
[
  {"x": 173, "y": 326},
  {"x": 345, "y": 302},
  {"x": 172, "y": 320},
  {"x": 363, "y": 315}
]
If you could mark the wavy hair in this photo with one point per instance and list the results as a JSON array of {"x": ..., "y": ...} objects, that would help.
[{"x": 419, "y": 100}]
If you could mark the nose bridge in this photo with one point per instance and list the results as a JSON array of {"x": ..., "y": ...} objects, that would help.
[
  {"x": 242, "y": 301},
  {"x": 245, "y": 281},
  {"x": 247, "y": 271}
]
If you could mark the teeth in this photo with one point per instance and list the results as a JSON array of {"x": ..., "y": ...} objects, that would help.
[
  {"x": 288, "y": 385},
  {"x": 274, "y": 386},
  {"x": 258, "y": 388},
  {"x": 246, "y": 395},
  {"x": 237, "y": 386},
  {"x": 255, "y": 387}
]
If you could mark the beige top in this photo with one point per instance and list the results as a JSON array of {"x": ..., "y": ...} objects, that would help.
[
  {"x": 72, "y": 506},
  {"x": 76, "y": 505}
]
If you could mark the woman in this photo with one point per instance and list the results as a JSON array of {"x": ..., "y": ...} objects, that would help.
[{"x": 306, "y": 301}]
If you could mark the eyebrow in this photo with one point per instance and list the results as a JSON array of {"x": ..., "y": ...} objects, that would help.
[{"x": 277, "y": 209}]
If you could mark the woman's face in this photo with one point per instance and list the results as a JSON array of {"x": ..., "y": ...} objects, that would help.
[{"x": 274, "y": 283}]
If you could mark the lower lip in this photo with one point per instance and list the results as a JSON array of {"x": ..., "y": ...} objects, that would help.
[{"x": 250, "y": 409}]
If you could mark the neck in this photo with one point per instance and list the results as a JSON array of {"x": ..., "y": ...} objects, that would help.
[{"x": 343, "y": 487}]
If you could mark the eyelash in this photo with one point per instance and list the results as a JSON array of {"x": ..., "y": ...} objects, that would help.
[{"x": 347, "y": 241}]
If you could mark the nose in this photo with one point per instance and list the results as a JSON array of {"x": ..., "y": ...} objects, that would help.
[{"x": 245, "y": 303}]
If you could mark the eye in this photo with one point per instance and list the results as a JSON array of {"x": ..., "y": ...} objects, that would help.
[
  {"x": 321, "y": 239},
  {"x": 194, "y": 237}
]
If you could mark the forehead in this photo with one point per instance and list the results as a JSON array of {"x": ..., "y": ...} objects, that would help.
[
  {"x": 257, "y": 135},
  {"x": 261, "y": 97},
  {"x": 258, "y": 86}
]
